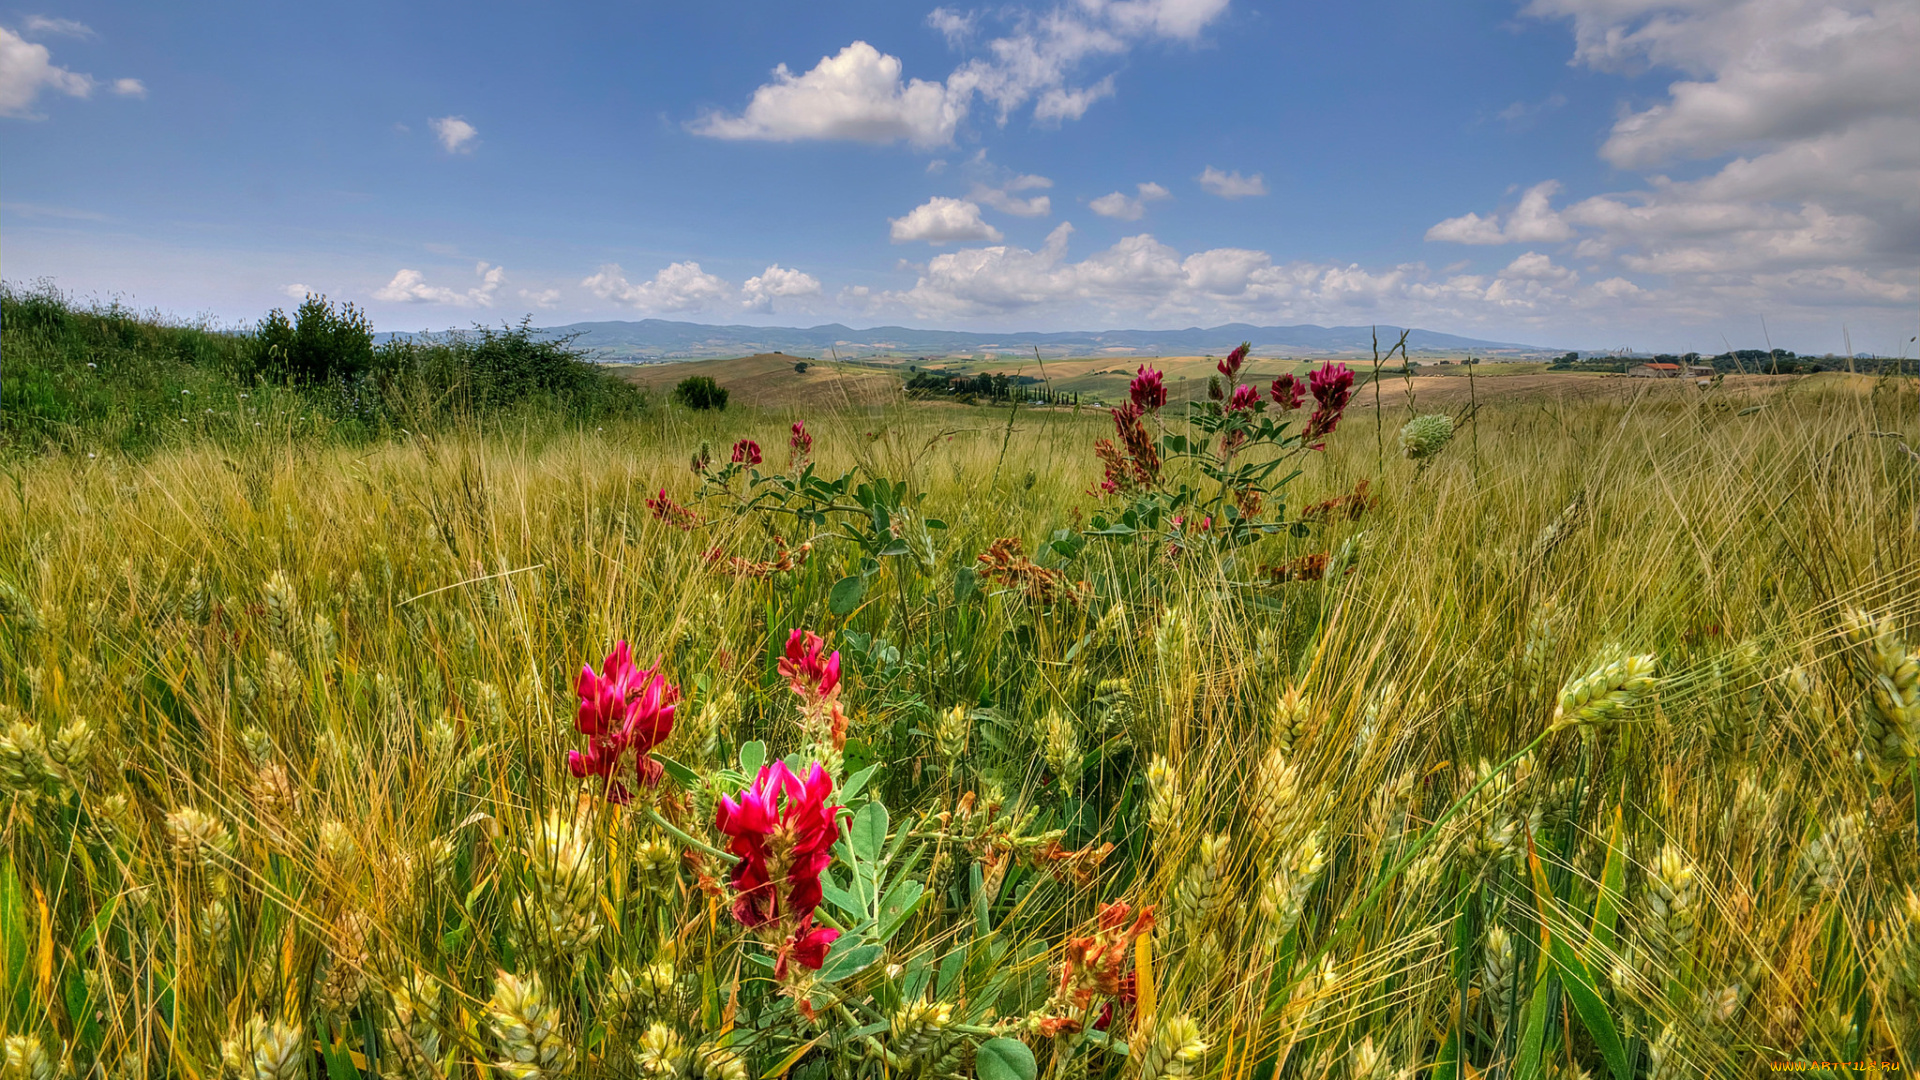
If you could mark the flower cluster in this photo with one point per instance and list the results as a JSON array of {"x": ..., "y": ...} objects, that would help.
[
  {"x": 1096, "y": 965},
  {"x": 746, "y": 452},
  {"x": 784, "y": 559},
  {"x": 782, "y": 829},
  {"x": 1332, "y": 388},
  {"x": 799, "y": 445},
  {"x": 1006, "y": 563},
  {"x": 665, "y": 509},
  {"x": 1148, "y": 390},
  {"x": 1230, "y": 367},
  {"x": 1288, "y": 392},
  {"x": 1244, "y": 399},
  {"x": 816, "y": 679},
  {"x": 623, "y": 708}
]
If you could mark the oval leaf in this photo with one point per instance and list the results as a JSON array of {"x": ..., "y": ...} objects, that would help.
[
  {"x": 846, "y": 595},
  {"x": 1004, "y": 1059}
]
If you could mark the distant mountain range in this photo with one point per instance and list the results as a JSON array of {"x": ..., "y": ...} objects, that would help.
[{"x": 659, "y": 339}]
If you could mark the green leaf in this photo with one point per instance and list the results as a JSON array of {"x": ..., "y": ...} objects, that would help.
[
  {"x": 839, "y": 897},
  {"x": 1585, "y": 992},
  {"x": 844, "y": 963},
  {"x": 1613, "y": 879},
  {"x": 1533, "y": 1030},
  {"x": 685, "y": 777},
  {"x": 856, "y": 783},
  {"x": 897, "y": 906},
  {"x": 752, "y": 756},
  {"x": 965, "y": 583},
  {"x": 846, "y": 595},
  {"x": 339, "y": 1057},
  {"x": 14, "y": 944},
  {"x": 869, "y": 835},
  {"x": 1004, "y": 1059}
]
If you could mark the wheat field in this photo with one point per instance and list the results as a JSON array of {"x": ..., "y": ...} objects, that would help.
[{"x": 1577, "y": 739}]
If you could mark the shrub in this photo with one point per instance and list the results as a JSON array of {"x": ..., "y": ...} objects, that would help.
[
  {"x": 318, "y": 345},
  {"x": 700, "y": 392},
  {"x": 800, "y": 367}
]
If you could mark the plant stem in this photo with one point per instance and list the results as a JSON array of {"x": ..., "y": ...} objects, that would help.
[{"x": 725, "y": 856}]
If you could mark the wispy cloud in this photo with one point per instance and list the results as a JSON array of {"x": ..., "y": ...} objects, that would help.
[{"x": 1231, "y": 185}]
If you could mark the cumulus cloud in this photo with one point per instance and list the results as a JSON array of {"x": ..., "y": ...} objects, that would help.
[
  {"x": 133, "y": 88},
  {"x": 1533, "y": 221},
  {"x": 543, "y": 299},
  {"x": 1141, "y": 277},
  {"x": 857, "y": 94},
  {"x": 27, "y": 68},
  {"x": 941, "y": 220},
  {"x": 861, "y": 94},
  {"x": 411, "y": 287},
  {"x": 1807, "y": 104},
  {"x": 1232, "y": 185},
  {"x": 1123, "y": 207},
  {"x": 757, "y": 293},
  {"x": 296, "y": 291},
  {"x": 682, "y": 286},
  {"x": 455, "y": 134}
]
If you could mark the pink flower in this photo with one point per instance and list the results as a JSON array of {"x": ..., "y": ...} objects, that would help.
[
  {"x": 1148, "y": 390},
  {"x": 623, "y": 708},
  {"x": 816, "y": 679},
  {"x": 808, "y": 945},
  {"x": 746, "y": 452},
  {"x": 1230, "y": 367},
  {"x": 782, "y": 829},
  {"x": 1244, "y": 399},
  {"x": 799, "y": 444},
  {"x": 1332, "y": 388},
  {"x": 1288, "y": 392},
  {"x": 665, "y": 509}
]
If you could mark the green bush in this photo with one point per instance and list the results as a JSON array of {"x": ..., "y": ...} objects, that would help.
[
  {"x": 700, "y": 392},
  {"x": 318, "y": 345}
]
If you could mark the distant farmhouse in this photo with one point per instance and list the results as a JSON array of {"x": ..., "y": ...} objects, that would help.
[{"x": 1670, "y": 371}]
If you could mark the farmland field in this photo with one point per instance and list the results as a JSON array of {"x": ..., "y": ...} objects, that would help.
[{"x": 1572, "y": 737}]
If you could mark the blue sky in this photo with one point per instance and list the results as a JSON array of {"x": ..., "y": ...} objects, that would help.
[{"x": 1587, "y": 173}]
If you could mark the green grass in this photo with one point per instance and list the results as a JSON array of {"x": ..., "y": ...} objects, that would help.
[{"x": 287, "y": 723}]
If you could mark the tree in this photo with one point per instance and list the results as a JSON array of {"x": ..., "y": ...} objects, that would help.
[
  {"x": 700, "y": 392},
  {"x": 318, "y": 345}
]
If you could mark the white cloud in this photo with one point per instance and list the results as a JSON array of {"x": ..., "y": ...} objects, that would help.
[
  {"x": 1123, "y": 207},
  {"x": 133, "y": 88},
  {"x": 1522, "y": 114},
  {"x": 26, "y": 68},
  {"x": 46, "y": 24},
  {"x": 941, "y": 220},
  {"x": 757, "y": 293},
  {"x": 682, "y": 286},
  {"x": 1232, "y": 185},
  {"x": 957, "y": 28},
  {"x": 296, "y": 291},
  {"x": 455, "y": 134},
  {"x": 543, "y": 299},
  {"x": 1141, "y": 278},
  {"x": 1807, "y": 104},
  {"x": 861, "y": 94},
  {"x": 856, "y": 95},
  {"x": 1532, "y": 222},
  {"x": 410, "y": 287},
  {"x": 1003, "y": 199}
]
